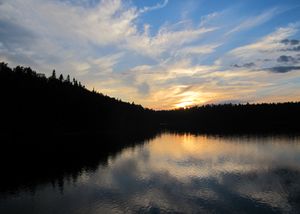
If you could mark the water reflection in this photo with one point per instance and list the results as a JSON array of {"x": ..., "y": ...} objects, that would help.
[{"x": 180, "y": 173}]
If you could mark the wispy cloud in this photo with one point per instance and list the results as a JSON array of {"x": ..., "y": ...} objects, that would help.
[
  {"x": 269, "y": 46},
  {"x": 155, "y": 7},
  {"x": 255, "y": 21},
  {"x": 198, "y": 50},
  {"x": 166, "y": 40},
  {"x": 109, "y": 23}
]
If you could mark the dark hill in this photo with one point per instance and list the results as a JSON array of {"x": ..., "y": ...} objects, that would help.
[{"x": 32, "y": 103}]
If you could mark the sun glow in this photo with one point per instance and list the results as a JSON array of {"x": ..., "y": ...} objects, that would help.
[{"x": 184, "y": 104}]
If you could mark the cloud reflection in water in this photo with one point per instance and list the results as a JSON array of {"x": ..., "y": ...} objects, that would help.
[{"x": 185, "y": 173}]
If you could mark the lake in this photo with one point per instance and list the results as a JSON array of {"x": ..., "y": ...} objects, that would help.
[{"x": 175, "y": 173}]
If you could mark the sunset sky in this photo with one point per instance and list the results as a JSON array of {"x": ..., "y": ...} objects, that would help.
[{"x": 162, "y": 54}]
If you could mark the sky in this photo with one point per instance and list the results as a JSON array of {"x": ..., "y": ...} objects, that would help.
[{"x": 162, "y": 54}]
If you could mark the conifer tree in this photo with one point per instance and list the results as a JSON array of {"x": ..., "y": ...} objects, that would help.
[
  {"x": 61, "y": 78},
  {"x": 53, "y": 76},
  {"x": 68, "y": 79}
]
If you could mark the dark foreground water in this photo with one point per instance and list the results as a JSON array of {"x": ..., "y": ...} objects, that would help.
[{"x": 175, "y": 173}]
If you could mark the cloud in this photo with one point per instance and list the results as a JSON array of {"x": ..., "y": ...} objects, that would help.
[
  {"x": 155, "y": 7},
  {"x": 269, "y": 43},
  {"x": 246, "y": 65},
  {"x": 290, "y": 42},
  {"x": 272, "y": 45},
  {"x": 14, "y": 34},
  {"x": 209, "y": 17},
  {"x": 283, "y": 69},
  {"x": 296, "y": 48},
  {"x": 58, "y": 34},
  {"x": 255, "y": 21},
  {"x": 106, "y": 63},
  {"x": 293, "y": 45},
  {"x": 287, "y": 59},
  {"x": 143, "y": 88},
  {"x": 166, "y": 40},
  {"x": 275, "y": 45},
  {"x": 110, "y": 23},
  {"x": 198, "y": 50}
]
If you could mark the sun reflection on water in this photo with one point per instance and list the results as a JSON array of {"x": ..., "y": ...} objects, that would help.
[{"x": 190, "y": 174}]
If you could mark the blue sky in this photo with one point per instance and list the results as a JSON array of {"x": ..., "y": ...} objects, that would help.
[{"x": 161, "y": 53}]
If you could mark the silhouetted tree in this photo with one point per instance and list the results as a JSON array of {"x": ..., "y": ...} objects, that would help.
[
  {"x": 75, "y": 83},
  {"x": 61, "y": 78},
  {"x": 68, "y": 79},
  {"x": 53, "y": 76}
]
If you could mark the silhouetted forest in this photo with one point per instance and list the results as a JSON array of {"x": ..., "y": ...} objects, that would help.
[
  {"x": 235, "y": 118},
  {"x": 31, "y": 103},
  {"x": 34, "y": 104}
]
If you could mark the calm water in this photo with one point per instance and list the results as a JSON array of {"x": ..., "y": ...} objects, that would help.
[{"x": 178, "y": 173}]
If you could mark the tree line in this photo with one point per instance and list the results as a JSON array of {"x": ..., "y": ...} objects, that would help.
[
  {"x": 33, "y": 103},
  {"x": 235, "y": 118}
]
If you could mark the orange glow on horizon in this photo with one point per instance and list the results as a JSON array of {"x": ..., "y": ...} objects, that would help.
[{"x": 184, "y": 104}]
